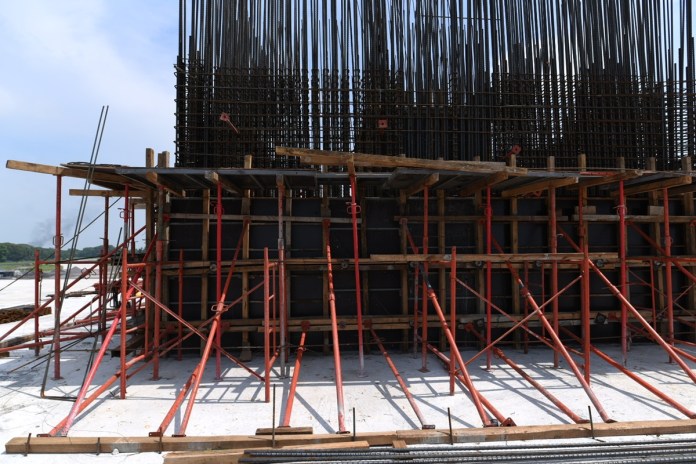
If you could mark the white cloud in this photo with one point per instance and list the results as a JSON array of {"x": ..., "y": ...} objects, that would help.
[{"x": 63, "y": 61}]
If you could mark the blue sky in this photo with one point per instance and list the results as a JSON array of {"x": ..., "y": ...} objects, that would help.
[{"x": 63, "y": 60}]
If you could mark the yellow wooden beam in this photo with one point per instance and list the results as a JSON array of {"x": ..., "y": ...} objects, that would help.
[
  {"x": 214, "y": 177},
  {"x": 161, "y": 182},
  {"x": 339, "y": 158},
  {"x": 106, "y": 193},
  {"x": 539, "y": 186},
  {"x": 478, "y": 185},
  {"x": 421, "y": 184},
  {"x": 657, "y": 185}
]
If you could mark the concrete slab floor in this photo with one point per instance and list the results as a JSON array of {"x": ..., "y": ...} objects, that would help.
[{"x": 234, "y": 405}]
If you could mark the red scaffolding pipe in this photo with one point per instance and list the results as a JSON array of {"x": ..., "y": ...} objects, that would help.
[
  {"x": 475, "y": 395},
  {"x": 667, "y": 399},
  {"x": 295, "y": 376},
  {"x": 502, "y": 420},
  {"x": 558, "y": 343},
  {"x": 653, "y": 333},
  {"x": 336, "y": 349},
  {"x": 402, "y": 382},
  {"x": 551, "y": 397},
  {"x": 124, "y": 310}
]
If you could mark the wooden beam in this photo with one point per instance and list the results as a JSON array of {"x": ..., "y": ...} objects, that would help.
[
  {"x": 478, "y": 185},
  {"x": 262, "y": 218},
  {"x": 70, "y": 172},
  {"x": 538, "y": 186},
  {"x": 338, "y": 158},
  {"x": 53, "y": 445},
  {"x": 658, "y": 185},
  {"x": 234, "y": 456},
  {"x": 494, "y": 258},
  {"x": 422, "y": 184},
  {"x": 214, "y": 177},
  {"x": 35, "y": 167},
  {"x": 610, "y": 179},
  {"x": 682, "y": 189},
  {"x": 107, "y": 193},
  {"x": 159, "y": 181}
]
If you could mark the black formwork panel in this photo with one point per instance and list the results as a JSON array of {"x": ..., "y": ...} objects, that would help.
[
  {"x": 383, "y": 231},
  {"x": 306, "y": 237},
  {"x": 383, "y": 236}
]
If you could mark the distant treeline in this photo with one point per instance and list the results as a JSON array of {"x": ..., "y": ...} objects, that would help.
[{"x": 11, "y": 252}]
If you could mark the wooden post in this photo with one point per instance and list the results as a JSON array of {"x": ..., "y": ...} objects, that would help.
[
  {"x": 325, "y": 231},
  {"x": 515, "y": 248},
  {"x": 403, "y": 209},
  {"x": 653, "y": 200},
  {"x": 150, "y": 225},
  {"x": 480, "y": 240},
  {"x": 246, "y": 211},
  {"x": 441, "y": 249},
  {"x": 205, "y": 256},
  {"x": 690, "y": 232}
]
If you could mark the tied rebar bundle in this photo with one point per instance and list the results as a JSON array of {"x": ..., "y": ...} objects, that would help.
[{"x": 451, "y": 79}]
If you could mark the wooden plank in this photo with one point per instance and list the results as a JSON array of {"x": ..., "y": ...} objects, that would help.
[
  {"x": 399, "y": 444},
  {"x": 496, "y": 258},
  {"x": 214, "y": 177},
  {"x": 538, "y": 186},
  {"x": 481, "y": 184},
  {"x": 107, "y": 193},
  {"x": 654, "y": 186},
  {"x": 227, "y": 457},
  {"x": 18, "y": 445},
  {"x": 609, "y": 179},
  {"x": 421, "y": 184},
  {"x": 285, "y": 430},
  {"x": 165, "y": 184},
  {"x": 337, "y": 158},
  {"x": 35, "y": 167},
  {"x": 70, "y": 172},
  {"x": 261, "y": 218}
]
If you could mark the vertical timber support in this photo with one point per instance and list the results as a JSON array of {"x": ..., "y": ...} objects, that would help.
[
  {"x": 356, "y": 254},
  {"x": 623, "y": 273},
  {"x": 246, "y": 212},
  {"x": 424, "y": 308},
  {"x": 690, "y": 232},
  {"x": 150, "y": 232},
  {"x": 280, "y": 296},
  {"x": 514, "y": 248},
  {"x": 489, "y": 273},
  {"x": 57, "y": 299},
  {"x": 442, "y": 272},
  {"x": 205, "y": 256},
  {"x": 553, "y": 246},
  {"x": 585, "y": 270},
  {"x": 218, "y": 275},
  {"x": 403, "y": 232}
]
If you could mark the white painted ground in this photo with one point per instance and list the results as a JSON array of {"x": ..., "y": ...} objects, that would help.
[{"x": 235, "y": 404}]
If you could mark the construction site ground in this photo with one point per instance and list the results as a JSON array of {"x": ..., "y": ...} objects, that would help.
[{"x": 235, "y": 406}]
